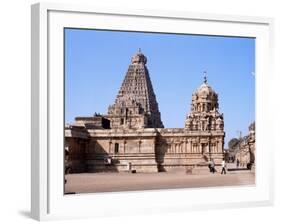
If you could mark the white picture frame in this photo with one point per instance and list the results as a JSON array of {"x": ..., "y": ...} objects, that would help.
[{"x": 48, "y": 201}]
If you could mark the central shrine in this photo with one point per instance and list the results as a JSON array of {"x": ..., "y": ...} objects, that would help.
[{"x": 132, "y": 132}]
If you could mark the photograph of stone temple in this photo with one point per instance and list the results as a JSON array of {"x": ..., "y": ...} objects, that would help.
[
  {"x": 131, "y": 135},
  {"x": 153, "y": 119}
]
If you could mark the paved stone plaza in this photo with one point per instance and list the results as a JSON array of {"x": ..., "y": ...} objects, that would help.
[{"x": 112, "y": 182}]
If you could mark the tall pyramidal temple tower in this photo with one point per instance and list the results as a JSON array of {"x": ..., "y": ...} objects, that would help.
[{"x": 135, "y": 105}]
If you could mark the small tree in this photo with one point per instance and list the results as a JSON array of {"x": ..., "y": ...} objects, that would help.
[{"x": 233, "y": 143}]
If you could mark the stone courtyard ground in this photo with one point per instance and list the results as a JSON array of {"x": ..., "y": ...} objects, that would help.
[{"x": 112, "y": 182}]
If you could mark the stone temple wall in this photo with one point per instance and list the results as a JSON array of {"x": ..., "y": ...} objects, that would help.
[
  {"x": 185, "y": 149},
  {"x": 135, "y": 147},
  {"x": 76, "y": 161},
  {"x": 147, "y": 150}
]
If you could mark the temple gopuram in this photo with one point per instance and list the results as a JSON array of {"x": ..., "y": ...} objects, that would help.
[{"x": 132, "y": 135}]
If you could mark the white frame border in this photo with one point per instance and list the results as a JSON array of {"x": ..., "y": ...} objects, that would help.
[{"x": 40, "y": 102}]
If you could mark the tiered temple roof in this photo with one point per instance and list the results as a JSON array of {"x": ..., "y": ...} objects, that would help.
[{"x": 136, "y": 105}]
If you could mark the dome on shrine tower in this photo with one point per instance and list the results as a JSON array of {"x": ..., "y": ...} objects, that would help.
[
  {"x": 139, "y": 58},
  {"x": 205, "y": 91},
  {"x": 205, "y": 98}
]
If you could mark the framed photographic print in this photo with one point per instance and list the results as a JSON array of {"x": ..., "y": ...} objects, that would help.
[{"x": 138, "y": 111}]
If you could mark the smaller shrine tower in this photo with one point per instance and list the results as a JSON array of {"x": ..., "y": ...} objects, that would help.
[
  {"x": 204, "y": 115},
  {"x": 206, "y": 122}
]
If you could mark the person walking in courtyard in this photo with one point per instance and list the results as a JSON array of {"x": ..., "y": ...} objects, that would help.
[
  {"x": 212, "y": 165},
  {"x": 129, "y": 166},
  {"x": 237, "y": 163},
  {"x": 223, "y": 167}
]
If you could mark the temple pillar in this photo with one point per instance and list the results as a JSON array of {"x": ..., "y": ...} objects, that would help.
[
  {"x": 185, "y": 146},
  {"x": 199, "y": 146},
  {"x": 220, "y": 146},
  {"x": 124, "y": 146},
  {"x": 109, "y": 146},
  {"x": 139, "y": 145},
  {"x": 153, "y": 145}
]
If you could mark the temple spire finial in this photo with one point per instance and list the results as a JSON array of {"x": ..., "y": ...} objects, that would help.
[
  {"x": 139, "y": 58},
  {"x": 205, "y": 77}
]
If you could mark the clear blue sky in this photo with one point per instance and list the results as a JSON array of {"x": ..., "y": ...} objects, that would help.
[{"x": 96, "y": 63}]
